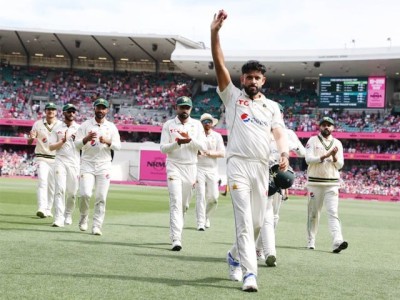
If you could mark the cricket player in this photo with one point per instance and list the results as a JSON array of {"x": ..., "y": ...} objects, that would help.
[
  {"x": 252, "y": 121},
  {"x": 207, "y": 173},
  {"x": 181, "y": 139},
  {"x": 266, "y": 249},
  {"x": 44, "y": 158},
  {"x": 324, "y": 156},
  {"x": 66, "y": 167},
  {"x": 96, "y": 138}
]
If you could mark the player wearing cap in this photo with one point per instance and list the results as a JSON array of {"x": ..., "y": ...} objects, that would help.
[
  {"x": 207, "y": 173},
  {"x": 181, "y": 139},
  {"x": 252, "y": 120},
  {"x": 96, "y": 137},
  {"x": 44, "y": 158},
  {"x": 66, "y": 167},
  {"x": 266, "y": 249},
  {"x": 324, "y": 156}
]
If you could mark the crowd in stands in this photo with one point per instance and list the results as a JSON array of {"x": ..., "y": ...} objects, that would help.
[
  {"x": 16, "y": 162},
  {"x": 148, "y": 99},
  {"x": 371, "y": 180}
]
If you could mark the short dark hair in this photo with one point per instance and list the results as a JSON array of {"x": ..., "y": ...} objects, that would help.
[{"x": 253, "y": 65}]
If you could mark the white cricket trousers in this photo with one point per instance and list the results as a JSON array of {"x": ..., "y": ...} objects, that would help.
[
  {"x": 248, "y": 184},
  {"x": 266, "y": 239},
  {"x": 66, "y": 187},
  {"x": 317, "y": 196},
  {"x": 46, "y": 183},
  {"x": 206, "y": 193},
  {"x": 181, "y": 179},
  {"x": 100, "y": 181}
]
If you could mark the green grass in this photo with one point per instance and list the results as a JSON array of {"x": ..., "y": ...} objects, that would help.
[{"x": 132, "y": 260}]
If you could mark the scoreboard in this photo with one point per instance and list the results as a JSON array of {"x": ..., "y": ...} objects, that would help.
[{"x": 352, "y": 92}]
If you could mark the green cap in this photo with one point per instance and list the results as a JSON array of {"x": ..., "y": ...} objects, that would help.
[
  {"x": 326, "y": 119},
  {"x": 184, "y": 101},
  {"x": 101, "y": 101},
  {"x": 69, "y": 106},
  {"x": 50, "y": 105}
]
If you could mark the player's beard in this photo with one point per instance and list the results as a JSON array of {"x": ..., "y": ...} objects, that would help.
[
  {"x": 69, "y": 117},
  {"x": 251, "y": 90},
  {"x": 183, "y": 115},
  {"x": 325, "y": 132},
  {"x": 100, "y": 115}
]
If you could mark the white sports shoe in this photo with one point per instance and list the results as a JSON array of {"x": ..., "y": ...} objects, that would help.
[
  {"x": 208, "y": 225},
  {"x": 96, "y": 231},
  {"x": 250, "y": 283},
  {"x": 311, "y": 244},
  {"x": 57, "y": 224},
  {"x": 68, "y": 219},
  {"x": 201, "y": 228},
  {"x": 176, "y": 245},
  {"x": 271, "y": 261},
  {"x": 83, "y": 223},
  {"x": 340, "y": 246},
  {"x": 235, "y": 271},
  {"x": 260, "y": 255}
]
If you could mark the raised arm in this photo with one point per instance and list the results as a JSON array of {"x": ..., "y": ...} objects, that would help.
[{"x": 223, "y": 76}]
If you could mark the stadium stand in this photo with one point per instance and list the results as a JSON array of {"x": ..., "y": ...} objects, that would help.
[{"x": 147, "y": 99}]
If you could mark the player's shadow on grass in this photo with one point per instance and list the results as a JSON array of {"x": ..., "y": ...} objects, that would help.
[
  {"x": 138, "y": 225},
  {"x": 35, "y": 223},
  {"x": 157, "y": 246},
  {"x": 211, "y": 282},
  {"x": 52, "y": 230},
  {"x": 302, "y": 248},
  {"x": 19, "y": 215}
]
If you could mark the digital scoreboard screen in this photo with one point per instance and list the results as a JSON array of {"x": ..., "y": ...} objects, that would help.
[{"x": 351, "y": 92}]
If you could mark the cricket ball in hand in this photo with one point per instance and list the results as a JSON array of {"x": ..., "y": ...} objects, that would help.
[{"x": 222, "y": 14}]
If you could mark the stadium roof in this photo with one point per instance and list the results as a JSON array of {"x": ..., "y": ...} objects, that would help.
[
  {"x": 194, "y": 59},
  {"x": 92, "y": 46},
  {"x": 295, "y": 65}
]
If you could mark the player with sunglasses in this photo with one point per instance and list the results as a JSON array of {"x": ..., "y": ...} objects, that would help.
[
  {"x": 207, "y": 173},
  {"x": 66, "y": 167}
]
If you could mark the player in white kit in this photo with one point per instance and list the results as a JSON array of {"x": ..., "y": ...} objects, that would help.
[
  {"x": 44, "y": 158},
  {"x": 96, "y": 137},
  {"x": 181, "y": 139},
  {"x": 324, "y": 156},
  {"x": 265, "y": 245},
  {"x": 66, "y": 167},
  {"x": 207, "y": 173},
  {"x": 252, "y": 120}
]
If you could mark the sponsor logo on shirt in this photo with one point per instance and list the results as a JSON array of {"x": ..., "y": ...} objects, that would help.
[{"x": 247, "y": 119}]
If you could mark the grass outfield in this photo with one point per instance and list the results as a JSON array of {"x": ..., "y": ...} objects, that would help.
[{"x": 132, "y": 260}]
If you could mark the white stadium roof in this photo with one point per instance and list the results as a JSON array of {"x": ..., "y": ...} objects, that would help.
[{"x": 194, "y": 59}]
